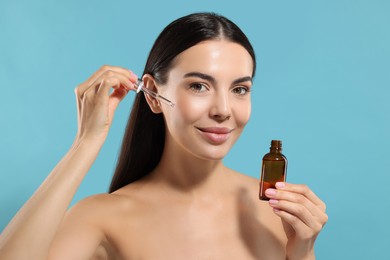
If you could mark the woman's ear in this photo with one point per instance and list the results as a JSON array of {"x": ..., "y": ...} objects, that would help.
[{"x": 153, "y": 103}]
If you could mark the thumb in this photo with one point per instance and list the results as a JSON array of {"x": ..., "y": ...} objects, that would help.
[{"x": 115, "y": 98}]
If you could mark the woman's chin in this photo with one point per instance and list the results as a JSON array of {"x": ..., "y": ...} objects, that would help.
[{"x": 212, "y": 154}]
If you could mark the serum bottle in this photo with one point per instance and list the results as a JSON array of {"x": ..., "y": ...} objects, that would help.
[{"x": 274, "y": 168}]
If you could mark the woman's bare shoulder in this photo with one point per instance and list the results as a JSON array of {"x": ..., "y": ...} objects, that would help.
[
  {"x": 256, "y": 210},
  {"x": 92, "y": 210},
  {"x": 109, "y": 203},
  {"x": 83, "y": 228},
  {"x": 89, "y": 224},
  {"x": 248, "y": 191},
  {"x": 245, "y": 180}
]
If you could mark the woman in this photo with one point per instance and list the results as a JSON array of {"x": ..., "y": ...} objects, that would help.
[{"x": 171, "y": 197}]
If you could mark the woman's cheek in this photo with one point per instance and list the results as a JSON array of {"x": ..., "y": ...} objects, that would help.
[
  {"x": 243, "y": 113},
  {"x": 192, "y": 108}
]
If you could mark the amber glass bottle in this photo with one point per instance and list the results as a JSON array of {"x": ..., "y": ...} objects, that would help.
[{"x": 274, "y": 168}]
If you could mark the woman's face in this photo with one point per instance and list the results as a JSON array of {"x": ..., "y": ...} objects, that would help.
[{"x": 210, "y": 85}]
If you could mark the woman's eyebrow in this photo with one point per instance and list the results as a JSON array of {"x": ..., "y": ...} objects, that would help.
[
  {"x": 212, "y": 79},
  {"x": 200, "y": 75},
  {"x": 243, "y": 79}
]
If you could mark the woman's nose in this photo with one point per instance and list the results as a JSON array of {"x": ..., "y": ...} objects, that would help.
[{"x": 220, "y": 109}]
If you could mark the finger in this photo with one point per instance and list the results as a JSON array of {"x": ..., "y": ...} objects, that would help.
[
  {"x": 119, "y": 70},
  {"x": 104, "y": 69},
  {"x": 297, "y": 210},
  {"x": 99, "y": 93},
  {"x": 116, "y": 97},
  {"x": 116, "y": 83},
  {"x": 301, "y": 189},
  {"x": 112, "y": 80},
  {"x": 109, "y": 79},
  {"x": 314, "y": 221},
  {"x": 297, "y": 198},
  {"x": 300, "y": 228}
]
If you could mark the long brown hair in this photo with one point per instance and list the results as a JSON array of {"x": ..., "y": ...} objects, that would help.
[{"x": 144, "y": 138}]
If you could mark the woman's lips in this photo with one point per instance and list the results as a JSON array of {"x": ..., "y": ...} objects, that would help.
[{"x": 215, "y": 135}]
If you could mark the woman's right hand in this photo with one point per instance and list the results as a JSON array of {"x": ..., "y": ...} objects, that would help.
[{"x": 98, "y": 98}]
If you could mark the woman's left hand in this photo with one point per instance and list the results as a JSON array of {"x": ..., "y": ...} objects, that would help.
[{"x": 303, "y": 216}]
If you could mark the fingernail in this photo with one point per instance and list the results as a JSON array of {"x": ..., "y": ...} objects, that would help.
[
  {"x": 280, "y": 185},
  {"x": 273, "y": 202},
  {"x": 270, "y": 192}
]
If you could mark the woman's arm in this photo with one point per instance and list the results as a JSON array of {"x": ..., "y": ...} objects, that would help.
[{"x": 31, "y": 231}]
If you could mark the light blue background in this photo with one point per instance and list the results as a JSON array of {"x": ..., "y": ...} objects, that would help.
[{"x": 322, "y": 86}]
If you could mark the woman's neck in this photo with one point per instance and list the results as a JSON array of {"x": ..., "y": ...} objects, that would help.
[{"x": 183, "y": 172}]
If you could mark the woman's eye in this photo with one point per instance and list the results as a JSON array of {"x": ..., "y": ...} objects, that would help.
[
  {"x": 198, "y": 87},
  {"x": 241, "y": 91}
]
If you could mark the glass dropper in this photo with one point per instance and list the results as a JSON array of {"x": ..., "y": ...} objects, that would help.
[{"x": 140, "y": 86}]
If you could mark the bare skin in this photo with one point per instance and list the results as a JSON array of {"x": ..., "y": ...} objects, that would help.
[
  {"x": 145, "y": 220},
  {"x": 190, "y": 206}
]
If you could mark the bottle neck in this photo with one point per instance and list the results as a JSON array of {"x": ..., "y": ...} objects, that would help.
[
  {"x": 275, "y": 150},
  {"x": 276, "y": 146}
]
